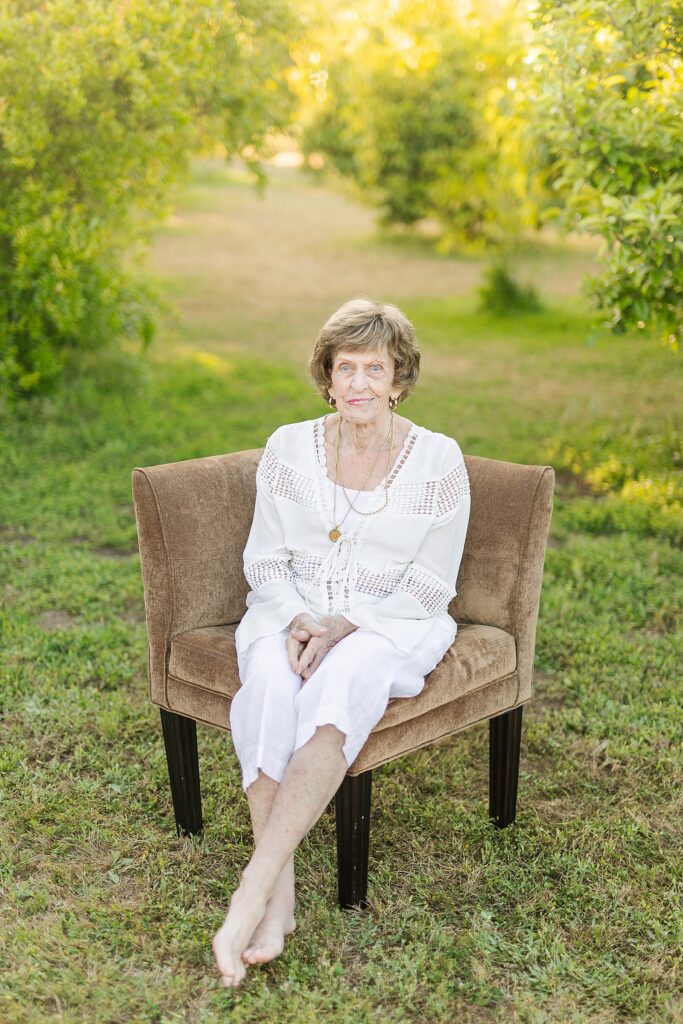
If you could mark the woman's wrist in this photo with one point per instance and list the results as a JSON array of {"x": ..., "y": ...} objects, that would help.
[
  {"x": 341, "y": 623},
  {"x": 336, "y": 624}
]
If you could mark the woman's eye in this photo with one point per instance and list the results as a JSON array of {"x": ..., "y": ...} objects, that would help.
[{"x": 376, "y": 367}]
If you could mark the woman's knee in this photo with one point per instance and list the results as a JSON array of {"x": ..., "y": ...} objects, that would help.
[
  {"x": 331, "y": 733},
  {"x": 267, "y": 655},
  {"x": 262, "y": 700},
  {"x": 267, "y": 669}
]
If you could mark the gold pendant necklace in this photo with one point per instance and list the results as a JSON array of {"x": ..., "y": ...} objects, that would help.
[{"x": 335, "y": 532}]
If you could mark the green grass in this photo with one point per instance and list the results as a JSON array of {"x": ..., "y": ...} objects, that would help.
[{"x": 572, "y": 914}]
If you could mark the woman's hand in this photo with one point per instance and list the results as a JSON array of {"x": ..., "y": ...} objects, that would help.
[
  {"x": 301, "y": 629},
  {"x": 336, "y": 628}
]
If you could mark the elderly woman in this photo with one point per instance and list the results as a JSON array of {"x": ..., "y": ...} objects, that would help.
[{"x": 352, "y": 560}]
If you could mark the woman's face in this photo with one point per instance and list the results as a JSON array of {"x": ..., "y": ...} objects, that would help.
[{"x": 362, "y": 383}]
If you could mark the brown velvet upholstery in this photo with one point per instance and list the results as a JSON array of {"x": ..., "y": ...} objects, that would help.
[{"x": 193, "y": 522}]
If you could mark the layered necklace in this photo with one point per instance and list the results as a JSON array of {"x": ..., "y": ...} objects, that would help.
[{"x": 335, "y": 532}]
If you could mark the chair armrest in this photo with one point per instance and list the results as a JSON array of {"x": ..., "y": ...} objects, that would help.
[
  {"x": 526, "y": 595},
  {"x": 193, "y": 520},
  {"x": 501, "y": 573}
]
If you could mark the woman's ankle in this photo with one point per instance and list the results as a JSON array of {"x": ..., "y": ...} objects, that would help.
[
  {"x": 281, "y": 903},
  {"x": 255, "y": 886}
]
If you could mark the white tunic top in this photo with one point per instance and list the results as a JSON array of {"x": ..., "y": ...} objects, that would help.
[{"x": 393, "y": 572}]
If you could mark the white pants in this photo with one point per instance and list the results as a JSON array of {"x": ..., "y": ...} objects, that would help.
[{"x": 275, "y": 712}]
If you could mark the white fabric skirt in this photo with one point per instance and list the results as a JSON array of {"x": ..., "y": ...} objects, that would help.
[{"x": 275, "y": 712}]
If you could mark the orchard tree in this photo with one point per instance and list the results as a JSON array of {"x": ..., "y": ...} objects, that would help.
[
  {"x": 412, "y": 101},
  {"x": 101, "y": 106},
  {"x": 606, "y": 100}
]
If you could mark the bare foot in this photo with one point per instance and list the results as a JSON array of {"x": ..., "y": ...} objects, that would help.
[
  {"x": 247, "y": 907},
  {"x": 268, "y": 940}
]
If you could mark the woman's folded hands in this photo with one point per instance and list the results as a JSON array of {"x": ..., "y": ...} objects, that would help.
[{"x": 309, "y": 641}]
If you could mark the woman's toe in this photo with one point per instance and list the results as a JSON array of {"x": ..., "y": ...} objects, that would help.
[{"x": 233, "y": 978}]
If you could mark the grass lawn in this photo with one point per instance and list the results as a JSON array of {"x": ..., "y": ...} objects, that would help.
[{"x": 572, "y": 914}]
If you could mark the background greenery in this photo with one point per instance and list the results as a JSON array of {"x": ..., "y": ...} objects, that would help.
[
  {"x": 101, "y": 107},
  {"x": 485, "y": 120},
  {"x": 572, "y": 914},
  {"x": 491, "y": 118}
]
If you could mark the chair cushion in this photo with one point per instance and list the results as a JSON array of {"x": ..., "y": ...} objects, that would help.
[{"x": 206, "y": 658}]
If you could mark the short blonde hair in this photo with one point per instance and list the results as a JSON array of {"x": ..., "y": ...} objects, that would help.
[{"x": 362, "y": 325}]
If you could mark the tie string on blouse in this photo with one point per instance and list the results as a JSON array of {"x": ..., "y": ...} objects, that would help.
[{"x": 340, "y": 567}]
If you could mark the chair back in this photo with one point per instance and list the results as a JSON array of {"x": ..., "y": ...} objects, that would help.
[{"x": 194, "y": 518}]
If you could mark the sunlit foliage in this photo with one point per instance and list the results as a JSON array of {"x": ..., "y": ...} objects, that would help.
[
  {"x": 101, "y": 106},
  {"x": 606, "y": 96},
  {"x": 490, "y": 118},
  {"x": 412, "y": 101}
]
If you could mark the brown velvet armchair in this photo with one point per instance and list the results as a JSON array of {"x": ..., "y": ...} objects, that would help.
[{"x": 193, "y": 520}]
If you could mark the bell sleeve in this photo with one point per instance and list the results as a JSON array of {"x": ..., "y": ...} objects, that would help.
[
  {"x": 428, "y": 584},
  {"x": 273, "y": 600}
]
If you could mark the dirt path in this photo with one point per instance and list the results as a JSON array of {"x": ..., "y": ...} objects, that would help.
[
  {"x": 264, "y": 273},
  {"x": 261, "y": 275}
]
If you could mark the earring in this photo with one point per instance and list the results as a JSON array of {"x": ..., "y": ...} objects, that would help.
[
  {"x": 393, "y": 402},
  {"x": 332, "y": 401}
]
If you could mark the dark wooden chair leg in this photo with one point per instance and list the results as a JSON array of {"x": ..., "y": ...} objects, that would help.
[
  {"x": 352, "y": 809},
  {"x": 505, "y": 732},
  {"x": 180, "y": 740}
]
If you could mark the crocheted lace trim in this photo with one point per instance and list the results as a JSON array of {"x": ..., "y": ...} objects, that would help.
[
  {"x": 427, "y": 589},
  {"x": 266, "y": 570},
  {"x": 454, "y": 486},
  {"x": 419, "y": 498},
  {"x": 285, "y": 481}
]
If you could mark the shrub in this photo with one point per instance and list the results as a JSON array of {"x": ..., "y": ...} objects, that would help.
[
  {"x": 502, "y": 295},
  {"x": 607, "y": 101},
  {"x": 101, "y": 106},
  {"x": 411, "y": 104}
]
